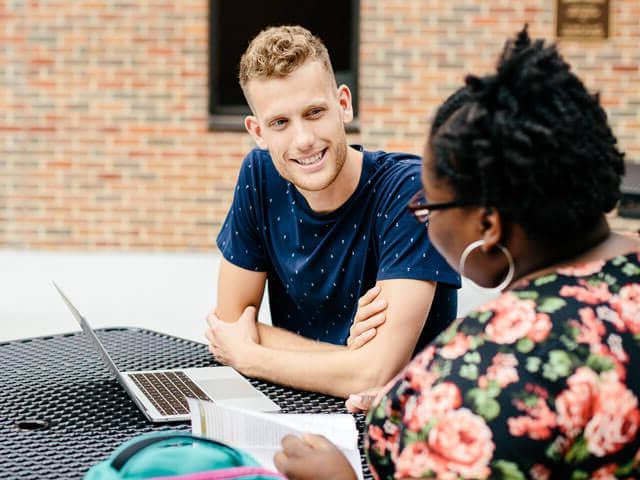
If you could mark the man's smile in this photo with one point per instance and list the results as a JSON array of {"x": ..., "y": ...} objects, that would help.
[{"x": 311, "y": 160}]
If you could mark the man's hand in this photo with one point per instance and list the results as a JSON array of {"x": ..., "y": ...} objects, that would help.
[
  {"x": 361, "y": 402},
  {"x": 370, "y": 315},
  {"x": 312, "y": 457},
  {"x": 231, "y": 343}
]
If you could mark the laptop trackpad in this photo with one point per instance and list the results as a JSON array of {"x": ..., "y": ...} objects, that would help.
[{"x": 227, "y": 388}]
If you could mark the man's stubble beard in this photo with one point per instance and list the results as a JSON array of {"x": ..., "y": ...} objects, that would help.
[{"x": 340, "y": 160}]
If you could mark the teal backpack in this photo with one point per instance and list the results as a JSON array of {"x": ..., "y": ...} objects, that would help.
[{"x": 178, "y": 455}]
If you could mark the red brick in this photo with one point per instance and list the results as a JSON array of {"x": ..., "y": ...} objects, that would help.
[{"x": 99, "y": 164}]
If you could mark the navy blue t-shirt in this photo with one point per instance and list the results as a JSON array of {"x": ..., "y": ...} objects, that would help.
[{"x": 318, "y": 265}]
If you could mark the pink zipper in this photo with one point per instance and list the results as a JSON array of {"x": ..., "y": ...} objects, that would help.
[{"x": 226, "y": 474}]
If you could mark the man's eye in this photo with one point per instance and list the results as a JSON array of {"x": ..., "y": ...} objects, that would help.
[
  {"x": 315, "y": 112},
  {"x": 279, "y": 123}
]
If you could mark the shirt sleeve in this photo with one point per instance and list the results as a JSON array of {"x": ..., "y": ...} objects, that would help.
[
  {"x": 240, "y": 239},
  {"x": 405, "y": 250}
]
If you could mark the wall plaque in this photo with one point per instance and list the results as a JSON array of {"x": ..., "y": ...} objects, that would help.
[{"x": 582, "y": 19}]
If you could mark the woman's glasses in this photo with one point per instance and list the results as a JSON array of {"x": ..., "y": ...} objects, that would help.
[{"x": 420, "y": 208}]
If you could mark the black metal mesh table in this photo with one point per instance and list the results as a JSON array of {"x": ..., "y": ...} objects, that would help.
[{"x": 60, "y": 382}]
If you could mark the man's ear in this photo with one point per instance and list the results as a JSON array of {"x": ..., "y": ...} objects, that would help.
[
  {"x": 344, "y": 99},
  {"x": 492, "y": 228},
  {"x": 253, "y": 127}
]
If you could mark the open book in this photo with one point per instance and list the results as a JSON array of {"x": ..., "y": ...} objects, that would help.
[{"x": 259, "y": 434}]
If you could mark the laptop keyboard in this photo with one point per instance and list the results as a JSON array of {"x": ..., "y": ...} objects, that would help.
[{"x": 167, "y": 391}]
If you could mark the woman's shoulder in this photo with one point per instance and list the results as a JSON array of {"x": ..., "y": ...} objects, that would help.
[{"x": 528, "y": 379}]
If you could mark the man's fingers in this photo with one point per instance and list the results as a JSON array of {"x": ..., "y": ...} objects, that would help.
[
  {"x": 209, "y": 335},
  {"x": 374, "y": 322},
  {"x": 361, "y": 402},
  {"x": 250, "y": 312},
  {"x": 368, "y": 297},
  {"x": 370, "y": 310},
  {"x": 362, "y": 332},
  {"x": 359, "y": 328},
  {"x": 362, "y": 339},
  {"x": 218, "y": 358},
  {"x": 354, "y": 404},
  {"x": 212, "y": 318}
]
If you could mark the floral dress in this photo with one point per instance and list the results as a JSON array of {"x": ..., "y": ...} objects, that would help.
[{"x": 542, "y": 382}]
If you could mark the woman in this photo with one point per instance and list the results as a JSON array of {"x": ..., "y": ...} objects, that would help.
[{"x": 520, "y": 169}]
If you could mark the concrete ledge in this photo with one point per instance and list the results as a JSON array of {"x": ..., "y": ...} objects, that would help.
[{"x": 170, "y": 293}]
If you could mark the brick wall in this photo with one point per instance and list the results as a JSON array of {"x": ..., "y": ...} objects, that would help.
[{"x": 103, "y": 107}]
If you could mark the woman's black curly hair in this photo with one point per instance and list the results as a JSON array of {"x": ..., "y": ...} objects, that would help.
[{"x": 531, "y": 142}]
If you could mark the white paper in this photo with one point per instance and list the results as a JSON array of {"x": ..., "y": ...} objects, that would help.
[{"x": 260, "y": 434}]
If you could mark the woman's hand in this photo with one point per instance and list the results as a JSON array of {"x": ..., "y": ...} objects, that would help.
[
  {"x": 370, "y": 315},
  {"x": 312, "y": 457}
]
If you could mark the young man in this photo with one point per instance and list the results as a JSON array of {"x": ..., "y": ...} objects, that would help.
[{"x": 323, "y": 222}]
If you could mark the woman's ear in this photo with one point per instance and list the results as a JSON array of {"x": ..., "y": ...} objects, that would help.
[{"x": 492, "y": 228}]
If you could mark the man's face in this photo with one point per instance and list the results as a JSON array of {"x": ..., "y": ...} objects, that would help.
[{"x": 300, "y": 119}]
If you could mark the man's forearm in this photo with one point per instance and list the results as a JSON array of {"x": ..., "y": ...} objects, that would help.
[
  {"x": 338, "y": 372},
  {"x": 281, "y": 339}
]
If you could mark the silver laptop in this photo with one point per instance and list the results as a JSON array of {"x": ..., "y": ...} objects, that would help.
[{"x": 162, "y": 394}]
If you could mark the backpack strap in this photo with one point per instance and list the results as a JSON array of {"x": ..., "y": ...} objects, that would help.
[{"x": 123, "y": 457}]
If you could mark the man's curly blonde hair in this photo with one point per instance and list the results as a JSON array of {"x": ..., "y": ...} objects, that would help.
[{"x": 278, "y": 51}]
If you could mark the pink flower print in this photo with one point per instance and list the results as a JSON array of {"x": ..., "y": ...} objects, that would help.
[
  {"x": 502, "y": 370},
  {"x": 514, "y": 319},
  {"x": 608, "y": 472},
  {"x": 431, "y": 405},
  {"x": 601, "y": 407},
  {"x": 615, "y": 419},
  {"x": 587, "y": 292},
  {"x": 539, "y": 472},
  {"x": 614, "y": 343},
  {"x": 416, "y": 373},
  {"x": 590, "y": 329},
  {"x": 611, "y": 316},
  {"x": 627, "y": 304},
  {"x": 574, "y": 406},
  {"x": 582, "y": 270},
  {"x": 457, "y": 346},
  {"x": 379, "y": 440},
  {"x": 538, "y": 422},
  {"x": 423, "y": 359},
  {"x": 419, "y": 378},
  {"x": 541, "y": 328},
  {"x": 459, "y": 445},
  {"x": 537, "y": 390},
  {"x": 619, "y": 358}
]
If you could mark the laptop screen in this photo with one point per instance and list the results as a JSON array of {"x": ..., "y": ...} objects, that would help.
[{"x": 91, "y": 335}]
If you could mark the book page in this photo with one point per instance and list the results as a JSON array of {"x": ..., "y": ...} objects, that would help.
[
  {"x": 340, "y": 428},
  {"x": 260, "y": 434}
]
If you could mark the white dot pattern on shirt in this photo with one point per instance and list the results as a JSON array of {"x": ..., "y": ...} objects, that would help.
[{"x": 332, "y": 255}]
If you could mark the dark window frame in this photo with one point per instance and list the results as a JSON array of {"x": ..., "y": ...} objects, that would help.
[{"x": 230, "y": 118}]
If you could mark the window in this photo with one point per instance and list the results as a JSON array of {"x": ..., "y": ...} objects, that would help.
[{"x": 233, "y": 23}]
